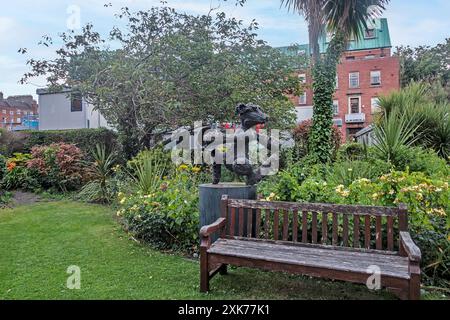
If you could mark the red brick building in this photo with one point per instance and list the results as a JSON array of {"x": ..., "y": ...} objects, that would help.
[
  {"x": 15, "y": 110},
  {"x": 366, "y": 72}
]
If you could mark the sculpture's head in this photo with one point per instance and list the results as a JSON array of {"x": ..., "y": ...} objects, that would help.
[{"x": 251, "y": 115}]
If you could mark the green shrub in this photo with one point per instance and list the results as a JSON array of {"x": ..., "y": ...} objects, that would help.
[
  {"x": 352, "y": 151},
  {"x": 2, "y": 166},
  {"x": 346, "y": 172},
  {"x": 168, "y": 218},
  {"x": 16, "y": 174},
  {"x": 59, "y": 166},
  {"x": 420, "y": 160},
  {"x": 84, "y": 139}
]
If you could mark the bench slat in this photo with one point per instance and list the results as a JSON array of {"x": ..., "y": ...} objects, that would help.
[
  {"x": 335, "y": 229},
  {"x": 345, "y": 230},
  {"x": 249, "y": 222},
  {"x": 390, "y": 233},
  {"x": 258, "y": 223},
  {"x": 267, "y": 224},
  {"x": 314, "y": 227},
  {"x": 241, "y": 222},
  {"x": 356, "y": 231},
  {"x": 295, "y": 226},
  {"x": 276, "y": 221},
  {"x": 233, "y": 222},
  {"x": 285, "y": 225},
  {"x": 378, "y": 234},
  {"x": 367, "y": 232},
  {"x": 324, "y": 228},
  {"x": 304, "y": 227}
]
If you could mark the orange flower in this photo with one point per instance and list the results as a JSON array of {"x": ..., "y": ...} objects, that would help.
[{"x": 10, "y": 166}]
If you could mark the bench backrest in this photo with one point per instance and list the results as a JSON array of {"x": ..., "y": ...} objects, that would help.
[{"x": 365, "y": 227}]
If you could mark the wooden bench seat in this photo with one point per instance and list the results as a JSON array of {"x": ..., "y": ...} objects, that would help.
[{"x": 348, "y": 243}]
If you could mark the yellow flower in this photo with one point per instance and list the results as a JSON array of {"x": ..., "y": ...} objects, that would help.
[
  {"x": 419, "y": 196},
  {"x": 196, "y": 169},
  {"x": 122, "y": 201},
  {"x": 183, "y": 167}
]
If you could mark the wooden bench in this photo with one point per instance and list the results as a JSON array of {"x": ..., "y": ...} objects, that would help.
[{"x": 319, "y": 240}]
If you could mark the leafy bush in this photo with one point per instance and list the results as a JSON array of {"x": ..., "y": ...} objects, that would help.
[
  {"x": 82, "y": 138},
  {"x": 2, "y": 166},
  {"x": 16, "y": 175},
  {"x": 420, "y": 160},
  {"x": 148, "y": 169},
  {"x": 12, "y": 142},
  {"x": 301, "y": 137},
  {"x": 426, "y": 198},
  {"x": 352, "y": 151},
  {"x": 168, "y": 218},
  {"x": 59, "y": 166}
]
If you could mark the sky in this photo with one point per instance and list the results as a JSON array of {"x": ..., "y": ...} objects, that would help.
[{"x": 24, "y": 22}]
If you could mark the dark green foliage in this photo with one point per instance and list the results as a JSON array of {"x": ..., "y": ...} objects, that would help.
[
  {"x": 421, "y": 160},
  {"x": 324, "y": 75},
  {"x": 84, "y": 139}
]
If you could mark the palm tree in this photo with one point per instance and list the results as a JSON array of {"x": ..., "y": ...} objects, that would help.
[{"x": 342, "y": 19}]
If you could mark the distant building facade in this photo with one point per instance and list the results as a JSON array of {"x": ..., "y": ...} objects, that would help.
[
  {"x": 367, "y": 71},
  {"x": 18, "y": 112},
  {"x": 64, "y": 110}
]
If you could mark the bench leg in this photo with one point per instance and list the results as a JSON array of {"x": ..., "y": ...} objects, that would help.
[
  {"x": 223, "y": 270},
  {"x": 204, "y": 273},
  {"x": 414, "y": 287}
]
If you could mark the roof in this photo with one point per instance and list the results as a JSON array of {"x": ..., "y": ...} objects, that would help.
[
  {"x": 53, "y": 91},
  {"x": 381, "y": 39},
  {"x": 18, "y": 102}
]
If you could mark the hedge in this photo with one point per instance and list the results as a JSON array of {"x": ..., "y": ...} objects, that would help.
[{"x": 85, "y": 139}]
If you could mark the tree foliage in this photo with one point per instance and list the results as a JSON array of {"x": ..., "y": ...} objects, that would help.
[{"x": 167, "y": 69}]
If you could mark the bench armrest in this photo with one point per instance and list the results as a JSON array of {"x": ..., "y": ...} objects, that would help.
[
  {"x": 207, "y": 231},
  {"x": 409, "y": 247}
]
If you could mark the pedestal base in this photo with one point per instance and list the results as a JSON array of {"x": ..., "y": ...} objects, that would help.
[{"x": 211, "y": 195}]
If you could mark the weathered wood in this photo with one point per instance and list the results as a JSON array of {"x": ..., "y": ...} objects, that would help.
[
  {"x": 258, "y": 223},
  {"x": 390, "y": 233},
  {"x": 367, "y": 232},
  {"x": 324, "y": 228},
  {"x": 314, "y": 227},
  {"x": 285, "y": 225},
  {"x": 378, "y": 234},
  {"x": 249, "y": 222},
  {"x": 241, "y": 221},
  {"x": 402, "y": 217},
  {"x": 345, "y": 230},
  {"x": 276, "y": 222},
  {"x": 356, "y": 231},
  {"x": 409, "y": 248},
  {"x": 233, "y": 222},
  {"x": 304, "y": 227},
  {"x": 317, "y": 207},
  {"x": 295, "y": 226},
  {"x": 400, "y": 270},
  {"x": 224, "y": 212},
  {"x": 335, "y": 230}
]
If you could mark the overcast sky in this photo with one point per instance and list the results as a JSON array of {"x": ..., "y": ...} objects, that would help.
[{"x": 24, "y": 22}]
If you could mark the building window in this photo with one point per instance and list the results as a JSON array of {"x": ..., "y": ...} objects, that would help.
[
  {"x": 302, "y": 99},
  {"x": 19, "y": 112},
  {"x": 369, "y": 33},
  {"x": 375, "y": 78},
  {"x": 11, "y": 113},
  {"x": 354, "y": 105},
  {"x": 370, "y": 56},
  {"x": 76, "y": 103},
  {"x": 350, "y": 58},
  {"x": 354, "y": 80},
  {"x": 336, "y": 107},
  {"x": 18, "y": 120},
  {"x": 302, "y": 77},
  {"x": 375, "y": 105},
  {"x": 337, "y": 81},
  {"x": 4, "y": 111}
]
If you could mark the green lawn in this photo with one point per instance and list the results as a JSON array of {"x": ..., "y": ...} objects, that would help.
[{"x": 39, "y": 242}]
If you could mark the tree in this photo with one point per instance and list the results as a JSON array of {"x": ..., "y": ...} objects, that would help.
[
  {"x": 342, "y": 19},
  {"x": 171, "y": 69},
  {"x": 428, "y": 64}
]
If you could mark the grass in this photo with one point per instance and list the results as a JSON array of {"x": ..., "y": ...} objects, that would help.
[{"x": 39, "y": 242}]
